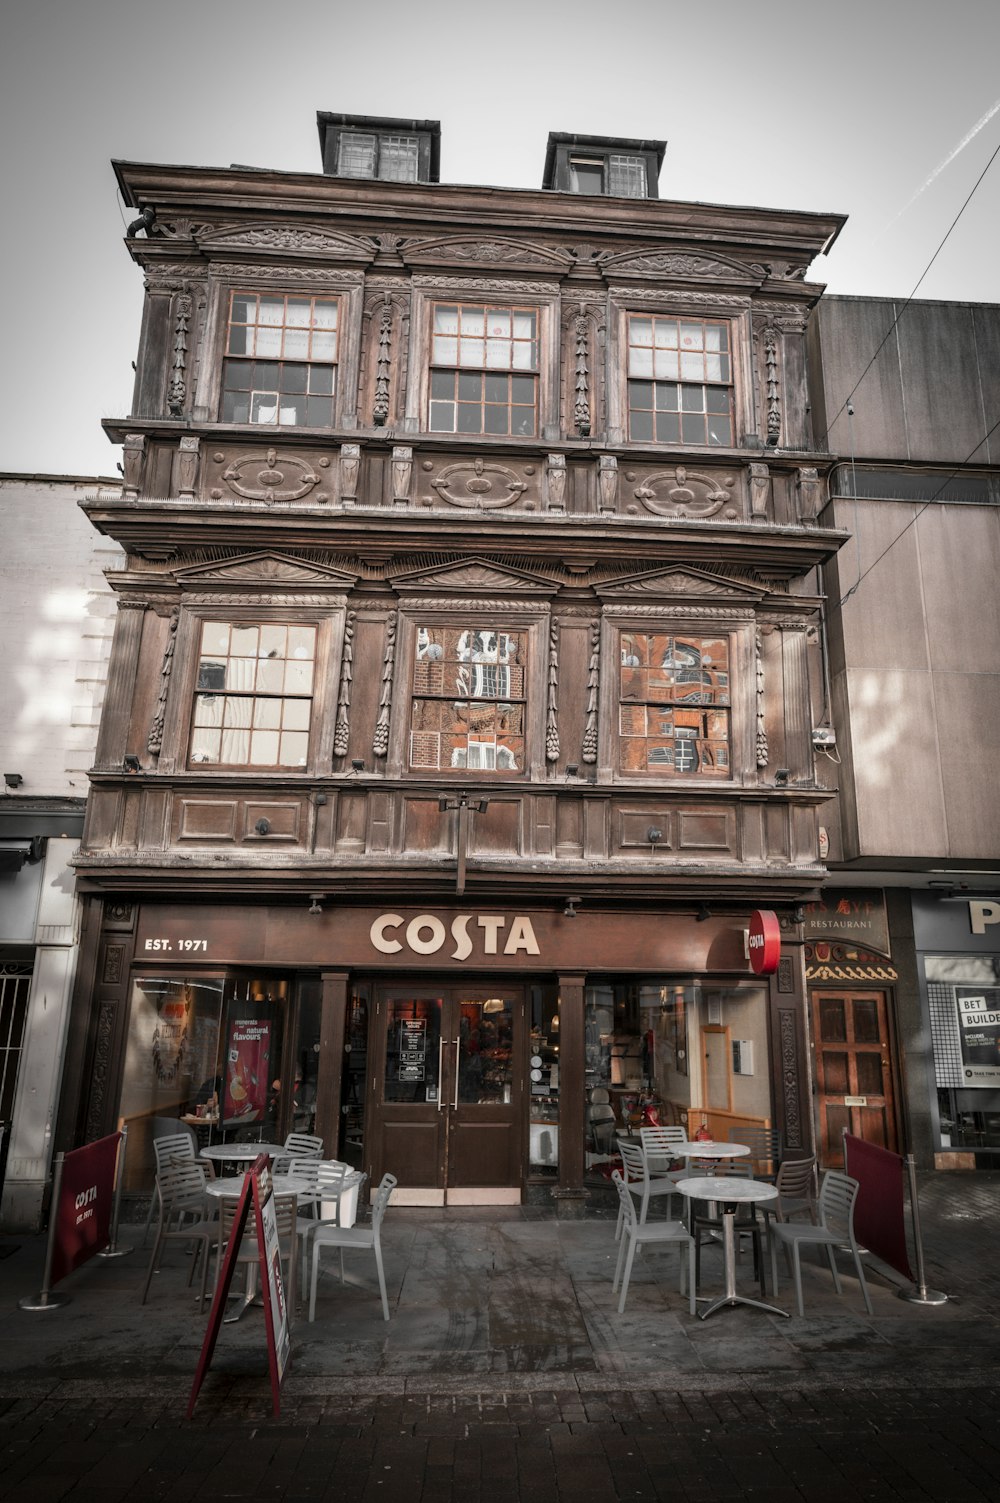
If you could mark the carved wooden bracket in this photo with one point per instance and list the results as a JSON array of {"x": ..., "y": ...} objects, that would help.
[
  {"x": 552, "y": 722},
  {"x": 380, "y": 740},
  {"x": 133, "y": 453},
  {"x": 555, "y": 481},
  {"x": 350, "y": 470},
  {"x": 402, "y": 474},
  {"x": 341, "y": 737},
  {"x": 154, "y": 741},
  {"x": 607, "y": 483},
  {"x": 593, "y": 688}
]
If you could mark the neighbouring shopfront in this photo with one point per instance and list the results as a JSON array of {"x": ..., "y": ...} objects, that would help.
[
  {"x": 475, "y": 1052},
  {"x": 957, "y": 939}
]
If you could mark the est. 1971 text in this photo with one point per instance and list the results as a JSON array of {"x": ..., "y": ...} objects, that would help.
[{"x": 176, "y": 944}]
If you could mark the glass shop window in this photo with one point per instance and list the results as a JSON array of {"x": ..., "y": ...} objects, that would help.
[
  {"x": 963, "y": 997},
  {"x": 543, "y": 1080}
]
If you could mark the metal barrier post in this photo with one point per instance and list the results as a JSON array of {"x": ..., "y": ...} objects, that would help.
[
  {"x": 113, "y": 1250},
  {"x": 921, "y": 1295},
  {"x": 46, "y": 1300}
]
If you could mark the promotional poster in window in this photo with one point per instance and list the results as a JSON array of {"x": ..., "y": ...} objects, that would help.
[
  {"x": 248, "y": 1064},
  {"x": 979, "y": 1031}
]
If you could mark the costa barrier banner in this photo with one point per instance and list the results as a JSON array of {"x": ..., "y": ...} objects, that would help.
[
  {"x": 83, "y": 1220},
  {"x": 879, "y": 1216},
  {"x": 256, "y": 1200}
]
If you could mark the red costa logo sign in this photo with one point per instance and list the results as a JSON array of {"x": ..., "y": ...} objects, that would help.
[{"x": 764, "y": 942}]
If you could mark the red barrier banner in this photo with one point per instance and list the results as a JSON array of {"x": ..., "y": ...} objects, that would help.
[
  {"x": 879, "y": 1216},
  {"x": 86, "y": 1200}
]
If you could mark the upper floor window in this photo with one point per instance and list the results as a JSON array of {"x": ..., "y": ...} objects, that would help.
[
  {"x": 394, "y": 159},
  {"x": 616, "y": 175},
  {"x": 680, "y": 378},
  {"x": 281, "y": 360},
  {"x": 253, "y": 699},
  {"x": 674, "y": 705},
  {"x": 468, "y": 704},
  {"x": 484, "y": 370}
]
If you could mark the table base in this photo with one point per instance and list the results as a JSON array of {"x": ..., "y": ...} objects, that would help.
[
  {"x": 738, "y": 1299},
  {"x": 729, "y": 1295}
]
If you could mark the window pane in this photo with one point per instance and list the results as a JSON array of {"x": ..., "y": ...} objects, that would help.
[
  {"x": 294, "y": 749},
  {"x": 524, "y": 325},
  {"x": 640, "y": 362},
  {"x": 267, "y": 714},
  {"x": 215, "y": 637},
  {"x": 264, "y": 749},
  {"x": 472, "y": 352},
  {"x": 693, "y": 429},
  {"x": 693, "y": 398},
  {"x": 641, "y": 331},
  {"x": 522, "y": 389},
  {"x": 264, "y": 407},
  {"x": 473, "y": 322},
  {"x": 667, "y": 396},
  {"x": 357, "y": 155},
  {"x": 665, "y": 364},
  {"x": 692, "y": 336},
  {"x": 321, "y": 380},
  {"x": 641, "y": 426},
  {"x": 235, "y": 408},
  {"x": 397, "y": 159},
  {"x": 720, "y": 430},
  {"x": 470, "y": 387},
  {"x": 640, "y": 394},
  {"x": 298, "y": 312},
  {"x": 498, "y": 353},
  {"x": 668, "y": 428},
  {"x": 498, "y": 323},
  {"x": 293, "y": 378},
  {"x": 469, "y": 418},
  {"x": 270, "y": 677},
  {"x": 324, "y": 345},
  {"x": 495, "y": 419},
  {"x": 495, "y": 388},
  {"x": 445, "y": 350},
  {"x": 586, "y": 177},
  {"x": 205, "y": 745},
  {"x": 319, "y": 412},
  {"x": 522, "y": 421},
  {"x": 324, "y": 313},
  {"x": 442, "y": 385},
  {"x": 445, "y": 319},
  {"x": 442, "y": 417},
  {"x": 296, "y": 714},
  {"x": 237, "y": 375},
  {"x": 627, "y": 176}
]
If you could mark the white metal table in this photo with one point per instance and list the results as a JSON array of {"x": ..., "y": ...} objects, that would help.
[
  {"x": 241, "y": 1153},
  {"x": 230, "y": 1187},
  {"x": 730, "y": 1192}
]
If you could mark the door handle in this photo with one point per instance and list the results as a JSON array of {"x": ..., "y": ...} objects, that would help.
[
  {"x": 440, "y": 1075},
  {"x": 455, "y": 1102}
]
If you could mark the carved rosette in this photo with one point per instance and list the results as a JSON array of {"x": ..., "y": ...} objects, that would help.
[
  {"x": 593, "y": 689},
  {"x": 762, "y": 749},
  {"x": 154, "y": 741},
  {"x": 341, "y": 735},
  {"x": 552, "y": 723},
  {"x": 772, "y": 392},
  {"x": 286, "y": 480},
  {"x": 380, "y": 410},
  {"x": 688, "y": 493},
  {"x": 178, "y": 374},
  {"x": 479, "y": 485},
  {"x": 380, "y": 740}
]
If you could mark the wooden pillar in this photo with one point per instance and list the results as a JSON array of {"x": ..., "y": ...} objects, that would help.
[
  {"x": 571, "y": 1195},
  {"x": 332, "y": 1026},
  {"x": 122, "y": 672}
]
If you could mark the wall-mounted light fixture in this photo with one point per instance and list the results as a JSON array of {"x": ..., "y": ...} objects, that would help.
[
  {"x": 316, "y": 902},
  {"x": 13, "y": 779},
  {"x": 357, "y": 764},
  {"x": 703, "y": 913},
  {"x": 781, "y": 777},
  {"x": 263, "y": 827},
  {"x": 572, "y": 769},
  {"x": 131, "y": 764},
  {"x": 570, "y": 907},
  {"x": 798, "y": 914},
  {"x": 465, "y": 806},
  {"x": 653, "y": 834}
]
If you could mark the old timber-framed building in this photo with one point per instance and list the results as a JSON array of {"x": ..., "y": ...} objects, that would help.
[{"x": 467, "y": 668}]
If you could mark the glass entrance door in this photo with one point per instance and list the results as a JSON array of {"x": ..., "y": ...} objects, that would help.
[{"x": 446, "y": 1118}]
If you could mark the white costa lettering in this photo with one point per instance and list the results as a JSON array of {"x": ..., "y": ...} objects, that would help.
[
  {"x": 85, "y": 1197},
  {"x": 426, "y": 934},
  {"x": 377, "y": 933}
]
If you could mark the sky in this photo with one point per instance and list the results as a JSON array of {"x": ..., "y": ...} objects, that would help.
[{"x": 887, "y": 111}]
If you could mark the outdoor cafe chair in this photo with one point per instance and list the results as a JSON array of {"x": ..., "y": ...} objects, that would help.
[
  {"x": 327, "y": 1234},
  {"x": 298, "y": 1145},
  {"x": 764, "y": 1144},
  {"x": 248, "y": 1253},
  {"x": 638, "y": 1234},
  {"x": 837, "y": 1197},
  {"x": 183, "y": 1217},
  {"x": 325, "y": 1183},
  {"x": 168, "y": 1148},
  {"x": 640, "y": 1182},
  {"x": 796, "y": 1190}
]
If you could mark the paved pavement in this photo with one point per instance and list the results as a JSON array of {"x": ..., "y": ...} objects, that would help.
[{"x": 506, "y": 1372}]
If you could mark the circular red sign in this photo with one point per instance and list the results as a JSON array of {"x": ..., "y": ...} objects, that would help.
[{"x": 764, "y": 941}]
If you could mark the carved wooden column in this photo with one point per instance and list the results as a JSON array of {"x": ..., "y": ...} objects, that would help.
[
  {"x": 332, "y": 1029},
  {"x": 571, "y": 1195},
  {"x": 124, "y": 666}
]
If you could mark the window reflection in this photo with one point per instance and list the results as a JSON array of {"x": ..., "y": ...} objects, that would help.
[{"x": 469, "y": 699}]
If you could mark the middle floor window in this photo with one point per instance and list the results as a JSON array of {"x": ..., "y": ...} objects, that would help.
[
  {"x": 680, "y": 377},
  {"x": 674, "y": 705},
  {"x": 484, "y": 370},
  {"x": 253, "y": 699},
  {"x": 468, "y": 699},
  {"x": 281, "y": 360}
]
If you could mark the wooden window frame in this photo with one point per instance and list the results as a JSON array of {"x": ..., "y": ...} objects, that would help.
[
  {"x": 507, "y": 615},
  {"x": 499, "y": 372},
  {"x": 255, "y": 695},
  {"x": 283, "y": 362},
  {"x": 685, "y": 415}
]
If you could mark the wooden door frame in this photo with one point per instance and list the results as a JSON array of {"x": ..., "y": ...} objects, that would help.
[
  {"x": 896, "y": 1115},
  {"x": 725, "y": 1030}
]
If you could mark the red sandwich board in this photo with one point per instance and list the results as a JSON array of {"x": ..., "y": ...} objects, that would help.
[{"x": 256, "y": 1197}]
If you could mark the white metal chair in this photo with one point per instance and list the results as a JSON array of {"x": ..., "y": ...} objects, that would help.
[
  {"x": 248, "y": 1253},
  {"x": 171, "y": 1140},
  {"x": 764, "y": 1144},
  {"x": 637, "y": 1234},
  {"x": 298, "y": 1145},
  {"x": 640, "y": 1182},
  {"x": 837, "y": 1197},
  {"x": 327, "y": 1180},
  {"x": 183, "y": 1217},
  {"x": 329, "y": 1235}
]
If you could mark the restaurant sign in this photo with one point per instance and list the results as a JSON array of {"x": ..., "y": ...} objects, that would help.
[{"x": 853, "y": 918}]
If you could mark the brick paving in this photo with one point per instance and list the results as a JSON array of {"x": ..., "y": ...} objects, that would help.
[{"x": 506, "y": 1373}]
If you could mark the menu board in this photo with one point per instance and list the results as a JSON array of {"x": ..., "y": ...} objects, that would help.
[{"x": 413, "y": 1049}]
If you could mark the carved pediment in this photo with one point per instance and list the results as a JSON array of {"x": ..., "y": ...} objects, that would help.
[
  {"x": 482, "y": 251},
  {"x": 681, "y": 266},
  {"x": 298, "y": 240},
  {"x": 691, "y": 584},
  {"x": 266, "y": 569},
  {"x": 472, "y": 577}
]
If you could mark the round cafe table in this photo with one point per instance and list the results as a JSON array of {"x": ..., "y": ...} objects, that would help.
[
  {"x": 730, "y": 1192},
  {"x": 229, "y": 1187},
  {"x": 241, "y": 1153}
]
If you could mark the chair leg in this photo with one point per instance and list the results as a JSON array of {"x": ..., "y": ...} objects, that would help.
[
  {"x": 314, "y": 1275},
  {"x": 692, "y": 1279},
  {"x": 773, "y": 1243},
  {"x": 797, "y": 1268},
  {"x": 152, "y": 1267},
  {"x": 833, "y": 1269},
  {"x": 149, "y": 1214},
  {"x": 618, "y": 1266},
  {"x": 861, "y": 1280},
  {"x": 628, "y": 1274},
  {"x": 381, "y": 1278}
]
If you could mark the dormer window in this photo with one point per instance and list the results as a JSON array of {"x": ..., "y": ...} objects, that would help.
[
  {"x": 615, "y": 175},
  {"x": 602, "y": 166},
  {"x": 392, "y": 159}
]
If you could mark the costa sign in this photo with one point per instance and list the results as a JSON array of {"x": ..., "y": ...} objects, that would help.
[
  {"x": 764, "y": 942},
  {"x": 426, "y": 934}
]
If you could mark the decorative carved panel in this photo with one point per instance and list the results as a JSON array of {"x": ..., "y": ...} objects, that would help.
[
  {"x": 680, "y": 492},
  {"x": 479, "y": 485}
]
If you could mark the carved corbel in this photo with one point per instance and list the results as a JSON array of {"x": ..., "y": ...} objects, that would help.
[
  {"x": 807, "y": 491},
  {"x": 133, "y": 453},
  {"x": 350, "y": 470},
  {"x": 552, "y": 721},
  {"x": 187, "y": 466},
  {"x": 593, "y": 688},
  {"x": 555, "y": 478},
  {"x": 760, "y": 492},
  {"x": 380, "y": 740},
  {"x": 402, "y": 472},
  {"x": 342, "y": 733},
  {"x": 607, "y": 482}
]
